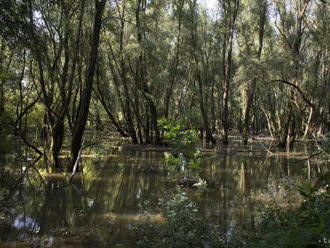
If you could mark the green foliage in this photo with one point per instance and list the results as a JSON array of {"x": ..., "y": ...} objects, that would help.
[
  {"x": 190, "y": 137},
  {"x": 182, "y": 227},
  {"x": 171, "y": 160},
  {"x": 306, "y": 226},
  {"x": 185, "y": 140},
  {"x": 178, "y": 133}
]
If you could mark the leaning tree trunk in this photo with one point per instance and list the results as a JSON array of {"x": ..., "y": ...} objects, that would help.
[{"x": 80, "y": 124}]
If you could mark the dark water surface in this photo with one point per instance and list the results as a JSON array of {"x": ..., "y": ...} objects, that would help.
[{"x": 101, "y": 206}]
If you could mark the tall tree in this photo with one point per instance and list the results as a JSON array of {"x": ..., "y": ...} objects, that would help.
[
  {"x": 141, "y": 73},
  {"x": 230, "y": 10},
  {"x": 260, "y": 8},
  {"x": 293, "y": 25},
  {"x": 80, "y": 124},
  {"x": 195, "y": 51},
  {"x": 45, "y": 32}
]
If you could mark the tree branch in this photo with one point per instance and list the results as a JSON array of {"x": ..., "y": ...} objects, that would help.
[{"x": 298, "y": 89}]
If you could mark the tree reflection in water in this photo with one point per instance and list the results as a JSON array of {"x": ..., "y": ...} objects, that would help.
[{"x": 101, "y": 205}]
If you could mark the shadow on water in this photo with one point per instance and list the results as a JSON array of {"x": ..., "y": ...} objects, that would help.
[{"x": 102, "y": 204}]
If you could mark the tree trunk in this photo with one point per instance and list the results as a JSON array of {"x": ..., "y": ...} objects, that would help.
[
  {"x": 284, "y": 131},
  {"x": 206, "y": 127},
  {"x": 121, "y": 78},
  {"x": 227, "y": 73},
  {"x": 80, "y": 124},
  {"x": 250, "y": 93},
  {"x": 295, "y": 46},
  {"x": 142, "y": 79},
  {"x": 174, "y": 66},
  {"x": 195, "y": 55},
  {"x": 2, "y": 93},
  {"x": 58, "y": 136}
]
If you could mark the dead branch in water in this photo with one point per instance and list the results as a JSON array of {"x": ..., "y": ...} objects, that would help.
[
  {"x": 311, "y": 156},
  {"x": 268, "y": 151}
]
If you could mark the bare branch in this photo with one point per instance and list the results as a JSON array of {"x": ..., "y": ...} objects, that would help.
[{"x": 298, "y": 89}]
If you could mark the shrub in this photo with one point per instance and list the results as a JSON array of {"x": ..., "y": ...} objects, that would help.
[
  {"x": 184, "y": 140},
  {"x": 306, "y": 226},
  {"x": 182, "y": 227}
]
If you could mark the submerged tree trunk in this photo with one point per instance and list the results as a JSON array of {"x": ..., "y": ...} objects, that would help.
[{"x": 80, "y": 124}]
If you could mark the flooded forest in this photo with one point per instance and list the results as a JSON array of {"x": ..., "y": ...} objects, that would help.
[{"x": 165, "y": 123}]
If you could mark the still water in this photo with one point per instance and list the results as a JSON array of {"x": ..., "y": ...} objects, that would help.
[{"x": 103, "y": 202}]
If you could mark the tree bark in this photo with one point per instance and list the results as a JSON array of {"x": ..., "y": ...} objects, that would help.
[{"x": 81, "y": 120}]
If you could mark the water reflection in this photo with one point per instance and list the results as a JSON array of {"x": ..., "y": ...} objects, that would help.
[
  {"x": 101, "y": 205},
  {"x": 25, "y": 222}
]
